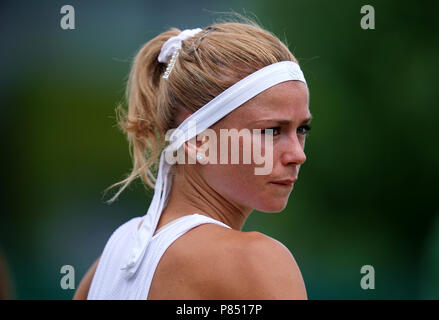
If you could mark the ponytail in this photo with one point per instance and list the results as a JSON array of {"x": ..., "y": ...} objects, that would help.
[{"x": 142, "y": 122}]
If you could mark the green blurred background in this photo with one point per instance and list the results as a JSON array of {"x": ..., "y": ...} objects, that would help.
[{"x": 367, "y": 194}]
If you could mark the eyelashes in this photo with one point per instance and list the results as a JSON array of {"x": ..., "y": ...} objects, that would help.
[
  {"x": 303, "y": 130},
  {"x": 272, "y": 129}
]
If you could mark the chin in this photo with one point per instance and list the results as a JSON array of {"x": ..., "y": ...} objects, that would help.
[{"x": 273, "y": 206}]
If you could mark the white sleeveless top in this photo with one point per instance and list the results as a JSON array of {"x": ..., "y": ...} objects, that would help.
[{"x": 108, "y": 282}]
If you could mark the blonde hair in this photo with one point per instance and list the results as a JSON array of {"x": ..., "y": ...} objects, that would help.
[{"x": 208, "y": 63}]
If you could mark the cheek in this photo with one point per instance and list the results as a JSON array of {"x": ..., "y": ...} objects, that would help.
[
  {"x": 240, "y": 184},
  {"x": 236, "y": 182}
]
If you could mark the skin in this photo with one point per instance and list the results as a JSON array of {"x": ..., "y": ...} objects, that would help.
[{"x": 213, "y": 262}]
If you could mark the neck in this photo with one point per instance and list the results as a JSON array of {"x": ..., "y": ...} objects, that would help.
[{"x": 190, "y": 193}]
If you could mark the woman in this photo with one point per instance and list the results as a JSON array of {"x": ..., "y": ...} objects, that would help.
[{"x": 189, "y": 244}]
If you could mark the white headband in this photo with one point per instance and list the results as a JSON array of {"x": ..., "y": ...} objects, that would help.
[{"x": 206, "y": 116}]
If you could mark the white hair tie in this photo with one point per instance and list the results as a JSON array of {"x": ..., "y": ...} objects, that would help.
[{"x": 171, "y": 48}]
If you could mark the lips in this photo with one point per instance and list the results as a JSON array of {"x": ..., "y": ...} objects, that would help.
[{"x": 286, "y": 182}]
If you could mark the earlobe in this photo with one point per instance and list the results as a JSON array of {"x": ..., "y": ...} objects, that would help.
[
  {"x": 190, "y": 151},
  {"x": 200, "y": 157},
  {"x": 193, "y": 154}
]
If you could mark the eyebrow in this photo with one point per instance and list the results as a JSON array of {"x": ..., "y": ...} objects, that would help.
[{"x": 283, "y": 121}]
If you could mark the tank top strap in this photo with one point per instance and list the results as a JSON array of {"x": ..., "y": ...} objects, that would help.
[
  {"x": 108, "y": 281},
  {"x": 185, "y": 223},
  {"x": 107, "y": 278}
]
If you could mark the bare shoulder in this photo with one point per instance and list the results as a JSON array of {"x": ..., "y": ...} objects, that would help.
[
  {"x": 264, "y": 268},
  {"x": 84, "y": 286},
  {"x": 246, "y": 265}
]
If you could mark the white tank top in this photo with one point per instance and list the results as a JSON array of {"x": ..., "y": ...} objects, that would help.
[{"x": 108, "y": 282}]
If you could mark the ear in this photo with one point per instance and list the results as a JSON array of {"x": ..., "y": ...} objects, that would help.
[
  {"x": 182, "y": 115},
  {"x": 192, "y": 147},
  {"x": 189, "y": 147}
]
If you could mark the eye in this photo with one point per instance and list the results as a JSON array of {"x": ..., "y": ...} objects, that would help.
[
  {"x": 274, "y": 131},
  {"x": 303, "y": 129}
]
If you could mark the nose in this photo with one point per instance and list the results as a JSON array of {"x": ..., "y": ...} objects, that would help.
[{"x": 293, "y": 152}]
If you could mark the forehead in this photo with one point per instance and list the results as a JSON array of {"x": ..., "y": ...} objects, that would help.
[{"x": 287, "y": 100}]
